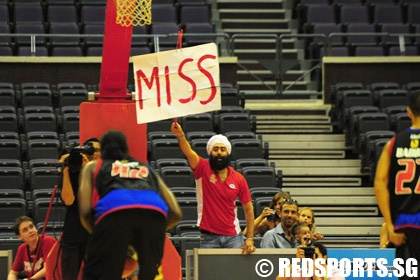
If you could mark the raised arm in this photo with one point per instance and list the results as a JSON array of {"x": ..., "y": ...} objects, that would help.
[{"x": 185, "y": 146}]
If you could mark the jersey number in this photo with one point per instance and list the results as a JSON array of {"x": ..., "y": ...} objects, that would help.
[{"x": 406, "y": 176}]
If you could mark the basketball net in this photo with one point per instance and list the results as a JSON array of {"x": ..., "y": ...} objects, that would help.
[{"x": 134, "y": 12}]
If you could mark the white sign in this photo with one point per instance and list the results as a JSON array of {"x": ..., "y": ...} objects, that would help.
[{"x": 177, "y": 83}]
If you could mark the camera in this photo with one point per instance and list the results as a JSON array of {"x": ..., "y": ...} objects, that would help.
[
  {"x": 309, "y": 251},
  {"x": 75, "y": 160},
  {"x": 273, "y": 216}
]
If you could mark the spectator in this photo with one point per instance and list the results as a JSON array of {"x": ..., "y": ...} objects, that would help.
[
  {"x": 270, "y": 216},
  {"x": 128, "y": 205},
  {"x": 218, "y": 187},
  {"x": 320, "y": 251},
  {"x": 31, "y": 255},
  {"x": 396, "y": 185},
  {"x": 307, "y": 215},
  {"x": 301, "y": 233},
  {"x": 281, "y": 236}
]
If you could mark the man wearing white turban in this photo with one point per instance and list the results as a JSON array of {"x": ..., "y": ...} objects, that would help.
[{"x": 218, "y": 186}]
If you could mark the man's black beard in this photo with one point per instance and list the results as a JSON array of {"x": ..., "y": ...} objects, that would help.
[{"x": 216, "y": 164}]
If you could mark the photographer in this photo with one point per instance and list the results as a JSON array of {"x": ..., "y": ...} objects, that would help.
[
  {"x": 314, "y": 251},
  {"x": 74, "y": 237}
]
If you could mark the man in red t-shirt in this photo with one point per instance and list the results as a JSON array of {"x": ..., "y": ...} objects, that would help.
[
  {"x": 218, "y": 186},
  {"x": 31, "y": 255}
]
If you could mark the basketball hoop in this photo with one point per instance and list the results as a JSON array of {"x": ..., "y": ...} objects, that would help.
[{"x": 134, "y": 12}]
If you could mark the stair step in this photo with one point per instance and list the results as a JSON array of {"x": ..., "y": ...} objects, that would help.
[
  {"x": 306, "y": 154},
  {"x": 320, "y": 171},
  {"x": 300, "y": 182},
  {"x": 317, "y": 163},
  {"x": 302, "y": 137}
]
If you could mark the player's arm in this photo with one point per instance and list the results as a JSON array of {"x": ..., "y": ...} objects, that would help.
[
  {"x": 174, "y": 212},
  {"x": 85, "y": 196},
  {"x": 382, "y": 194},
  {"x": 185, "y": 146}
]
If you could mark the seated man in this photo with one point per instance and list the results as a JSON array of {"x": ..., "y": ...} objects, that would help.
[{"x": 31, "y": 255}]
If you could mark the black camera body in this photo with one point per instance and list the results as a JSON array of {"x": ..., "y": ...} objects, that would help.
[
  {"x": 309, "y": 251},
  {"x": 75, "y": 160}
]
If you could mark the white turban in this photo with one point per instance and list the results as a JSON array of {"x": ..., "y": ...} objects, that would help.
[{"x": 219, "y": 138}]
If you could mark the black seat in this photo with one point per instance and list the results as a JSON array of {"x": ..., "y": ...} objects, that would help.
[
  {"x": 40, "y": 209},
  {"x": 39, "y": 122},
  {"x": 260, "y": 176},
  {"x": 248, "y": 148},
  {"x": 165, "y": 148},
  {"x": 234, "y": 122},
  {"x": 10, "y": 149},
  {"x": 43, "y": 149},
  {"x": 9, "y": 122},
  {"x": 200, "y": 147},
  {"x": 177, "y": 176},
  {"x": 44, "y": 178},
  {"x": 198, "y": 122},
  {"x": 11, "y": 208},
  {"x": 12, "y": 178}
]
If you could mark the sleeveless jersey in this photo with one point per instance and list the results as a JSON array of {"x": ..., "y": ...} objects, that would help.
[
  {"x": 125, "y": 184},
  {"x": 404, "y": 182}
]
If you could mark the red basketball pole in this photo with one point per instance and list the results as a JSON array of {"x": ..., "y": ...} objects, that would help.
[{"x": 115, "y": 57}]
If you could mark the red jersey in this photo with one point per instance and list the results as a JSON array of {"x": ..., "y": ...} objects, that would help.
[
  {"x": 25, "y": 257},
  {"x": 216, "y": 207}
]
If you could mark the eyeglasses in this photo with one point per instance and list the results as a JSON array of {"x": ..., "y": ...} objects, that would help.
[{"x": 289, "y": 201}]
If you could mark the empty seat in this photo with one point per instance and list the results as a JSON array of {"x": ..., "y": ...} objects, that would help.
[
  {"x": 137, "y": 39},
  {"x": 247, "y": 148},
  {"x": 369, "y": 51},
  {"x": 263, "y": 192},
  {"x": 365, "y": 144},
  {"x": 392, "y": 97},
  {"x": 12, "y": 208},
  {"x": 413, "y": 11},
  {"x": 39, "y": 122},
  {"x": 12, "y": 193},
  {"x": 406, "y": 51},
  {"x": 34, "y": 29},
  {"x": 5, "y": 29},
  {"x": 28, "y": 14},
  {"x": 177, "y": 176},
  {"x": 165, "y": 28},
  {"x": 350, "y": 98},
  {"x": 72, "y": 97},
  {"x": 71, "y": 85},
  {"x": 195, "y": 14},
  {"x": 387, "y": 14},
  {"x": 239, "y": 135},
  {"x": 40, "y": 209},
  {"x": 247, "y": 162},
  {"x": 95, "y": 34},
  {"x": 199, "y": 135},
  {"x": 37, "y": 109},
  {"x": 44, "y": 149},
  {"x": 234, "y": 122},
  {"x": 383, "y": 85},
  {"x": 231, "y": 97},
  {"x": 162, "y": 125},
  {"x": 365, "y": 34},
  {"x": 394, "y": 31},
  {"x": 62, "y": 13},
  {"x": 4, "y": 14},
  {"x": 319, "y": 14},
  {"x": 70, "y": 30},
  {"x": 402, "y": 122},
  {"x": 67, "y": 51},
  {"x": 36, "y": 97},
  {"x": 7, "y": 97},
  {"x": 163, "y": 162},
  {"x": 44, "y": 178},
  {"x": 200, "y": 147},
  {"x": 368, "y": 122},
  {"x": 12, "y": 178},
  {"x": 165, "y": 148},
  {"x": 164, "y": 13},
  {"x": 10, "y": 149},
  {"x": 70, "y": 122},
  {"x": 90, "y": 14},
  {"x": 198, "y": 122},
  {"x": 260, "y": 176},
  {"x": 199, "y": 33},
  {"x": 9, "y": 135},
  {"x": 354, "y": 14},
  {"x": 188, "y": 206},
  {"x": 9, "y": 122},
  {"x": 28, "y": 51}
]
